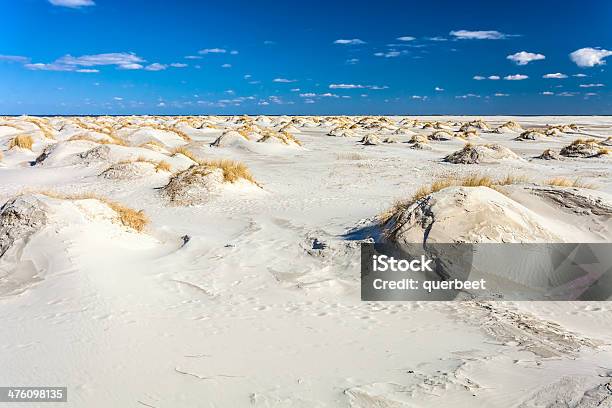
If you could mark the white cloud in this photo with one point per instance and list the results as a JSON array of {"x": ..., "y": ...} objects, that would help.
[
  {"x": 579, "y": 75},
  {"x": 589, "y": 57},
  {"x": 193, "y": 57},
  {"x": 516, "y": 77},
  {"x": 478, "y": 77},
  {"x": 233, "y": 52},
  {"x": 226, "y": 66},
  {"x": 295, "y": 89},
  {"x": 212, "y": 51},
  {"x": 309, "y": 101},
  {"x": 494, "y": 77},
  {"x": 72, "y": 3},
  {"x": 419, "y": 97},
  {"x": 357, "y": 86},
  {"x": 547, "y": 93},
  {"x": 346, "y": 86},
  {"x": 131, "y": 66},
  {"x": 437, "y": 39},
  {"x": 284, "y": 80},
  {"x": 479, "y": 35},
  {"x": 156, "y": 67},
  {"x": 118, "y": 98},
  {"x": 437, "y": 88},
  {"x": 69, "y": 63},
  {"x": 567, "y": 94},
  {"x": 470, "y": 95},
  {"x": 352, "y": 61},
  {"x": 353, "y": 41},
  {"x": 268, "y": 42},
  {"x": 178, "y": 65},
  {"x": 14, "y": 58},
  {"x": 524, "y": 57},
  {"x": 388, "y": 54},
  {"x": 406, "y": 38},
  {"x": 308, "y": 95},
  {"x": 88, "y": 71},
  {"x": 501, "y": 94},
  {"x": 556, "y": 75},
  {"x": 591, "y": 85}
]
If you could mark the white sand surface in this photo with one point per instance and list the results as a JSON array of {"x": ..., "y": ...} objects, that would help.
[{"x": 252, "y": 298}]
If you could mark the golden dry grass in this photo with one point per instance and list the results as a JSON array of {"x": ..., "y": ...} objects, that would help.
[
  {"x": 232, "y": 170},
  {"x": 22, "y": 141},
  {"x": 155, "y": 143},
  {"x": 185, "y": 152},
  {"x": 584, "y": 142},
  {"x": 473, "y": 180},
  {"x": 129, "y": 217},
  {"x": 171, "y": 129},
  {"x": 565, "y": 182},
  {"x": 43, "y": 125},
  {"x": 163, "y": 166},
  {"x": 88, "y": 138}
]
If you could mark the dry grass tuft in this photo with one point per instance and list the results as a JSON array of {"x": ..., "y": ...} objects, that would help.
[
  {"x": 185, "y": 152},
  {"x": 232, "y": 170},
  {"x": 474, "y": 180},
  {"x": 129, "y": 217},
  {"x": 22, "y": 141},
  {"x": 163, "y": 166},
  {"x": 565, "y": 182},
  {"x": 87, "y": 138},
  {"x": 171, "y": 129}
]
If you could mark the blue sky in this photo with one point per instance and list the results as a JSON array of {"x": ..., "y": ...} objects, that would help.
[{"x": 311, "y": 57}]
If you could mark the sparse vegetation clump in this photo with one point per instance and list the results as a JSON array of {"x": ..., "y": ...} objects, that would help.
[
  {"x": 549, "y": 154},
  {"x": 199, "y": 182},
  {"x": 565, "y": 182},
  {"x": 85, "y": 137},
  {"x": 185, "y": 152},
  {"x": 441, "y": 135},
  {"x": 282, "y": 136},
  {"x": 582, "y": 148},
  {"x": 530, "y": 134},
  {"x": 22, "y": 141},
  {"x": 163, "y": 166},
  {"x": 170, "y": 129},
  {"x": 232, "y": 170},
  {"x": 474, "y": 154}
]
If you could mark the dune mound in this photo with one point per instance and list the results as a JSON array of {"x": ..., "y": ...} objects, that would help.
[
  {"x": 341, "y": 131},
  {"x": 583, "y": 148},
  {"x": 441, "y": 135},
  {"x": 549, "y": 154},
  {"x": 479, "y": 209},
  {"x": 139, "y": 168},
  {"x": 530, "y": 135},
  {"x": 509, "y": 127},
  {"x": 474, "y": 154},
  {"x": 466, "y": 214},
  {"x": 202, "y": 181},
  {"x": 231, "y": 138},
  {"x": 282, "y": 137},
  {"x": 370, "y": 140}
]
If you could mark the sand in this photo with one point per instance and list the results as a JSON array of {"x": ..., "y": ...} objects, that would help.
[{"x": 250, "y": 297}]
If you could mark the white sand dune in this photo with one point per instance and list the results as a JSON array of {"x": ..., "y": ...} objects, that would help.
[{"x": 244, "y": 295}]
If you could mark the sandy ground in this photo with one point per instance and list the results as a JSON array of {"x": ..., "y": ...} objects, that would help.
[{"x": 260, "y": 307}]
